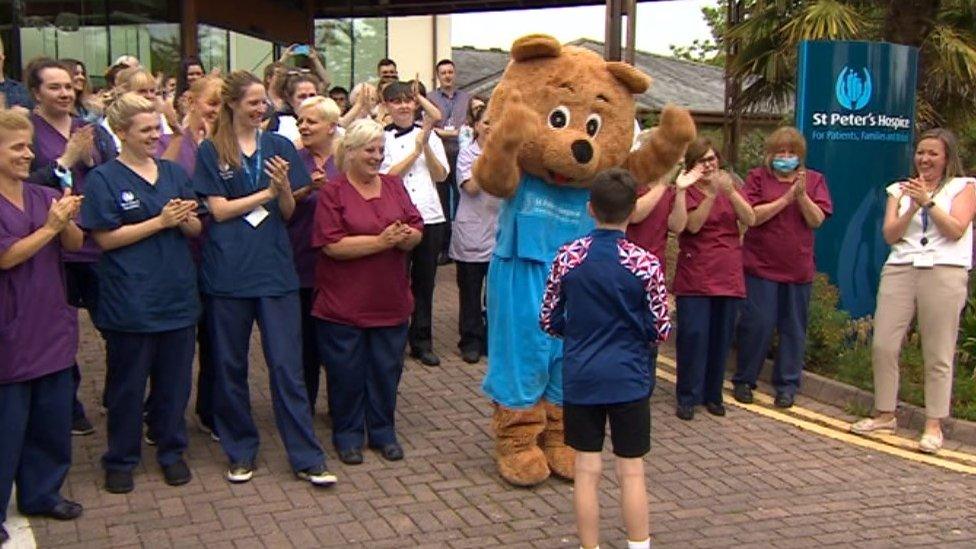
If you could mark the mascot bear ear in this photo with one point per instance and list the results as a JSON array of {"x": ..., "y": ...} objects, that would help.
[
  {"x": 634, "y": 80},
  {"x": 533, "y": 46}
]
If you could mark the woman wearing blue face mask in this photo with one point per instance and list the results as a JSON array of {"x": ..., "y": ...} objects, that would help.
[{"x": 790, "y": 201}]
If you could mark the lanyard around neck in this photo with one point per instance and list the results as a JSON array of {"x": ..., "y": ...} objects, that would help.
[{"x": 255, "y": 177}]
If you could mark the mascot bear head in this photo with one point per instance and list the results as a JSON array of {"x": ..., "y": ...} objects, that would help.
[{"x": 566, "y": 114}]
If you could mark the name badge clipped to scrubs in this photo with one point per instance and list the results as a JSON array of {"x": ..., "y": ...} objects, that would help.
[{"x": 256, "y": 216}]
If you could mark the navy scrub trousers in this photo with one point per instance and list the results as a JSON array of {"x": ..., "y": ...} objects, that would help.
[
  {"x": 35, "y": 422},
  {"x": 773, "y": 305},
  {"x": 363, "y": 368},
  {"x": 165, "y": 359},
  {"x": 705, "y": 328},
  {"x": 311, "y": 365},
  {"x": 230, "y": 321}
]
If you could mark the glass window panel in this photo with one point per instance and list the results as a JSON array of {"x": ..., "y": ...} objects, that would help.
[
  {"x": 370, "y": 39},
  {"x": 66, "y": 29},
  {"x": 213, "y": 47},
  {"x": 333, "y": 38},
  {"x": 249, "y": 53}
]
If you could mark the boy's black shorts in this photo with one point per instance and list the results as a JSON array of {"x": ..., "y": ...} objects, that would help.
[{"x": 630, "y": 427}]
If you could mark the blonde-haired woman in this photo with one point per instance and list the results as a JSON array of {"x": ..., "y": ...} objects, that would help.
[
  {"x": 928, "y": 223},
  {"x": 202, "y": 101},
  {"x": 38, "y": 332},
  {"x": 318, "y": 119},
  {"x": 140, "y": 211},
  {"x": 248, "y": 274},
  {"x": 141, "y": 82},
  {"x": 365, "y": 225}
]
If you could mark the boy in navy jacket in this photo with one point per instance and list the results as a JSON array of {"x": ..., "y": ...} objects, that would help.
[{"x": 605, "y": 297}]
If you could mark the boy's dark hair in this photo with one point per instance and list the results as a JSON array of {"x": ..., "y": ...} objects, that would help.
[
  {"x": 385, "y": 62},
  {"x": 339, "y": 89},
  {"x": 397, "y": 90},
  {"x": 613, "y": 195},
  {"x": 443, "y": 62}
]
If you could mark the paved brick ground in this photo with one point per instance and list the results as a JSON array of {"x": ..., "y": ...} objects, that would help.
[{"x": 741, "y": 480}]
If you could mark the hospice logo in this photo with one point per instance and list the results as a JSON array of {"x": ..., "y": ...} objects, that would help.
[
  {"x": 128, "y": 201},
  {"x": 853, "y": 90}
]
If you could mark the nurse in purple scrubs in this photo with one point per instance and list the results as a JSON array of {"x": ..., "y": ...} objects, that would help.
[
  {"x": 66, "y": 149},
  {"x": 318, "y": 122},
  {"x": 38, "y": 332}
]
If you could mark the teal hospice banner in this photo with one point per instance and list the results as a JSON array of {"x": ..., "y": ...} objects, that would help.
[{"x": 855, "y": 105}]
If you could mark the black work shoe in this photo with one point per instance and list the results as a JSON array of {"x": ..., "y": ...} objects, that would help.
[
  {"x": 119, "y": 482},
  {"x": 686, "y": 413},
  {"x": 81, "y": 427},
  {"x": 238, "y": 473},
  {"x": 4, "y": 536},
  {"x": 352, "y": 456},
  {"x": 427, "y": 358},
  {"x": 319, "y": 476},
  {"x": 391, "y": 452},
  {"x": 471, "y": 357},
  {"x": 177, "y": 474},
  {"x": 64, "y": 510},
  {"x": 742, "y": 392},
  {"x": 783, "y": 401},
  {"x": 715, "y": 408}
]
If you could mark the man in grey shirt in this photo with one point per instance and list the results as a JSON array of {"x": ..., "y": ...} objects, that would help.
[{"x": 453, "y": 104}]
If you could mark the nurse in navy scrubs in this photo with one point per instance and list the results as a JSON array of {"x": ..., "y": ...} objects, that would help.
[
  {"x": 38, "y": 332},
  {"x": 140, "y": 211},
  {"x": 248, "y": 274}
]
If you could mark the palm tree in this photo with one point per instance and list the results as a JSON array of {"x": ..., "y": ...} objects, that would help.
[{"x": 944, "y": 31}]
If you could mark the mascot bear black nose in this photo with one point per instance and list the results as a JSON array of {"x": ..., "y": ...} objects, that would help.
[{"x": 582, "y": 151}]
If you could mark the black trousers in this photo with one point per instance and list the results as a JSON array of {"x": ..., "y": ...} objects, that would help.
[
  {"x": 447, "y": 190},
  {"x": 423, "y": 272},
  {"x": 471, "y": 318},
  {"x": 82, "y": 292},
  {"x": 311, "y": 364}
]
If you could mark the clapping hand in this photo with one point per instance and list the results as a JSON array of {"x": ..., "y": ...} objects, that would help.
[
  {"x": 318, "y": 179},
  {"x": 688, "y": 178},
  {"x": 79, "y": 147},
  {"x": 799, "y": 188},
  {"x": 722, "y": 182},
  {"x": 394, "y": 234},
  {"x": 177, "y": 211},
  {"x": 276, "y": 168},
  {"x": 916, "y": 189},
  {"x": 62, "y": 211}
]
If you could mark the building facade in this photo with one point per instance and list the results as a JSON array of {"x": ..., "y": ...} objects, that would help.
[{"x": 159, "y": 32}]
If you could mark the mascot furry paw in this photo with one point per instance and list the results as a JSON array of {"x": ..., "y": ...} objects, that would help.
[{"x": 559, "y": 115}]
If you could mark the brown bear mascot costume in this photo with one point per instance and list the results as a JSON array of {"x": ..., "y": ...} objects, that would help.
[{"x": 559, "y": 115}]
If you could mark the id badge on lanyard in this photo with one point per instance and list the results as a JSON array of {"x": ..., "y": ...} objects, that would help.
[
  {"x": 256, "y": 216},
  {"x": 925, "y": 258}
]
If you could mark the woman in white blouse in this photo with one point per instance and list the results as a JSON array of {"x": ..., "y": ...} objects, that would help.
[{"x": 928, "y": 223}]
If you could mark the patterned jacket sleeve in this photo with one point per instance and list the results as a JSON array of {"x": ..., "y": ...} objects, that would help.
[
  {"x": 551, "y": 317},
  {"x": 648, "y": 270}
]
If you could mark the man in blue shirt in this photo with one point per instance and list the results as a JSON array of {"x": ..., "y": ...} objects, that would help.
[
  {"x": 14, "y": 93},
  {"x": 605, "y": 297}
]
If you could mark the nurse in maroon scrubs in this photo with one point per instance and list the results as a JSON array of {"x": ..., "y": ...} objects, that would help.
[
  {"x": 365, "y": 226},
  {"x": 318, "y": 123},
  {"x": 66, "y": 149},
  {"x": 708, "y": 281},
  {"x": 38, "y": 332},
  {"x": 790, "y": 201}
]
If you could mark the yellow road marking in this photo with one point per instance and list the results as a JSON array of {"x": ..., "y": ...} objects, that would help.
[{"x": 838, "y": 430}]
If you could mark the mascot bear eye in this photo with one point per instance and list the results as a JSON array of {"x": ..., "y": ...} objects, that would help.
[
  {"x": 559, "y": 117},
  {"x": 593, "y": 124}
]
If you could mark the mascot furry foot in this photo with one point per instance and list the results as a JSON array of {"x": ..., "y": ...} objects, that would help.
[
  {"x": 520, "y": 460},
  {"x": 561, "y": 458}
]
